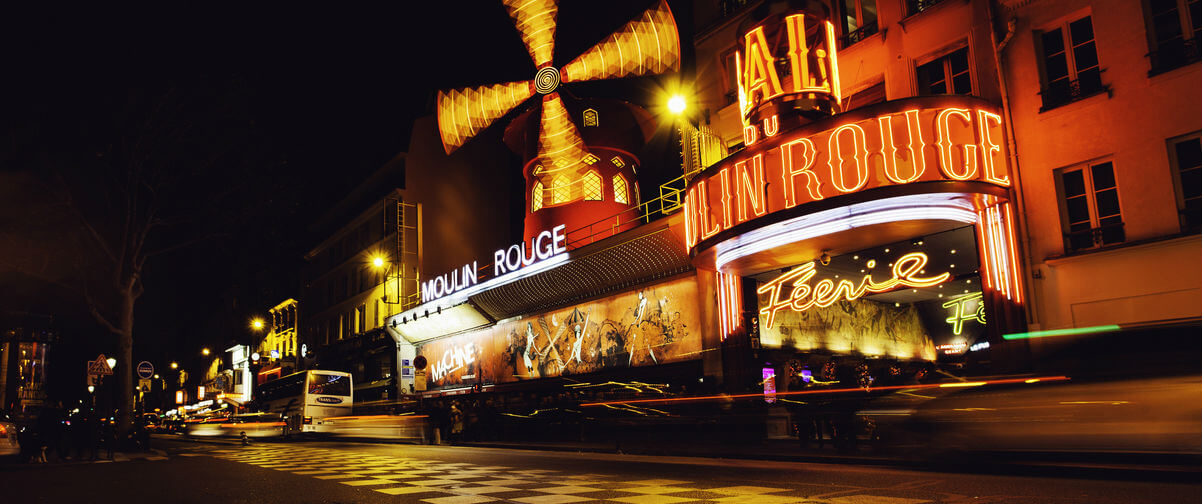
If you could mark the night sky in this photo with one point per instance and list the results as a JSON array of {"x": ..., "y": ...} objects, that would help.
[{"x": 302, "y": 101}]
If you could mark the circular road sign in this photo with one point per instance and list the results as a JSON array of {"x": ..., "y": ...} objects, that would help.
[{"x": 145, "y": 370}]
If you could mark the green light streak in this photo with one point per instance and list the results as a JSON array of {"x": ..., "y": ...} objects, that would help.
[{"x": 1062, "y": 332}]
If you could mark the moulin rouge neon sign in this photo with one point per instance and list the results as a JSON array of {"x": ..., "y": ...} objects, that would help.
[
  {"x": 826, "y": 292},
  {"x": 915, "y": 140}
]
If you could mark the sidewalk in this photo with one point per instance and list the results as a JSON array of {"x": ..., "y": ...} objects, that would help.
[{"x": 52, "y": 459}]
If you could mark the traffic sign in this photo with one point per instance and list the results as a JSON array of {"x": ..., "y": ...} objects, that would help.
[
  {"x": 145, "y": 370},
  {"x": 99, "y": 367}
]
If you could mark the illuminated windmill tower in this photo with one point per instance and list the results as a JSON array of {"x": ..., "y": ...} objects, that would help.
[{"x": 579, "y": 162}]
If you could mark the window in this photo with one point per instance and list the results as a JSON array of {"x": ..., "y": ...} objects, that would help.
[
  {"x": 379, "y": 314},
  {"x": 536, "y": 197},
  {"x": 1185, "y": 154},
  {"x": 946, "y": 75},
  {"x": 342, "y": 325},
  {"x": 620, "y": 193},
  {"x": 859, "y": 20},
  {"x": 1173, "y": 31},
  {"x": 1090, "y": 206},
  {"x": 361, "y": 318},
  {"x": 732, "y": 72},
  {"x": 868, "y": 96},
  {"x": 592, "y": 186},
  {"x": 561, "y": 190},
  {"x": 1070, "y": 63}
]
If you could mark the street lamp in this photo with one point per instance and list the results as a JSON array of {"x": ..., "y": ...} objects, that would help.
[
  {"x": 204, "y": 351},
  {"x": 174, "y": 365},
  {"x": 256, "y": 324},
  {"x": 377, "y": 262},
  {"x": 677, "y": 104},
  {"x": 111, "y": 362}
]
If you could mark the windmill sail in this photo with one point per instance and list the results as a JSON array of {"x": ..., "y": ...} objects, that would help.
[
  {"x": 648, "y": 44},
  {"x": 462, "y": 113},
  {"x": 535, "y": 21}
]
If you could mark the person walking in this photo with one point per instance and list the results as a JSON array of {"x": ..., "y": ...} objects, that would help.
[{"x": 456, "y": 418}]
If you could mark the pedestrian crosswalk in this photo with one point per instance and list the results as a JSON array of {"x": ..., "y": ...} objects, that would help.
[{"x": 438, "y": 482}]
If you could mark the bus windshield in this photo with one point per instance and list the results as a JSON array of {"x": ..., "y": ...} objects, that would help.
[{"x": 327, "y": 384}]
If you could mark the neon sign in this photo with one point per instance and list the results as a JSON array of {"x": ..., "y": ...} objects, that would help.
[
  {"x": 826, "y": 292},
  {"x": 917, "y": 140},
  {"x": 962, "y": 310},
  {"x": 813, "y": 66},
  {"x": 542, "y": 246},
  {"x": 448, "y": 283}
]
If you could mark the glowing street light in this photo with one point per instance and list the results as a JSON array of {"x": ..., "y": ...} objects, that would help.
[
  {"x": 174, "y": 365},
  {"x": 256, "y": 324},
  {"x": 204, "y": 351},
  {"x": 111, "y": 362},
  {"x": 677, "y": 104},
  {"x": 91, "y": 388},
  {"x": 377, "y": 262}
]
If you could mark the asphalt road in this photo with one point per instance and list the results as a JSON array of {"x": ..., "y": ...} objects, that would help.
[{"x": 338, "y": 472}]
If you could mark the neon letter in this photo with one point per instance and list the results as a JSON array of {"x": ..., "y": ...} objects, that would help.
[
  {"x": 761, "y": 76},
  {"x": 988, "y": 147},
  {"x": 727, "y": 196},
  {"x": 968, "y": 169},
  {"x": 918, "y": 163},
  {"x": 835, "y": 158},
  {"x": 703, "y": 211},
  {"x": 771, "y": 126},
  {"x": 808, "y": 155},
  {"x": 751, "y": 187}
]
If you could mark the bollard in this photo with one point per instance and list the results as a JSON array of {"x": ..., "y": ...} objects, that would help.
[{"x": 245, "y": 440}]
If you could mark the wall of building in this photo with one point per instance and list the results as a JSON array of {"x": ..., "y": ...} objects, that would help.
[{"x": 1129, "y": 126}]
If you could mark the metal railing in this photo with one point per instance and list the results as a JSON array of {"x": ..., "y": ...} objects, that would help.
[
  {"x": 1085, "y": 239},
  {"x": 671, "y": 199},
  {"x": 915, "y": 6},
  {"x": 859, "y": 34},
  {"x": 1067, "y": 91}
]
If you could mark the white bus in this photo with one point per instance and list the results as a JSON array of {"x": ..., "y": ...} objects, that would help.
[{"x": 306, "y": 398}]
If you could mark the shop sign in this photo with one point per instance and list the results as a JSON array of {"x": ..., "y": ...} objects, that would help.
[
  {"x": 924, "y": 139},
  {"x": 454, "y": 359},
  {"x": 542, "y": 246},
  {"x": 813, "y": 66},
  {"x": 801, "y": 296}
]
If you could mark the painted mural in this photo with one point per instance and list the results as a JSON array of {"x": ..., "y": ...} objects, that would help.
[
  {"x": 653, "y": 325},
  {"x": 863, "y": 326}
]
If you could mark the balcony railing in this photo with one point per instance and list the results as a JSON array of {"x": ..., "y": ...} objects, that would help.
[
  {"x": 1106, "y": 234},
  {"x": 915, "y": 6},
  {"x": 1067, "y": 91},
  {"x": 1173, "y": 54},
  {"x": 859, "y": 34},
  {"x": 671, "y": 199}
]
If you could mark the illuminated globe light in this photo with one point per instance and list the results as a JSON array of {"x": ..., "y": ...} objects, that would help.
[
  {"x": 377, "y": 262},
  {"x": 546, "y": 80},
  {"x": 676, "y": 104}
]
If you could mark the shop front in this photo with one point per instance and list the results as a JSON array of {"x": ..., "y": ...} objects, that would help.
[{"x": 870, "y": 244}]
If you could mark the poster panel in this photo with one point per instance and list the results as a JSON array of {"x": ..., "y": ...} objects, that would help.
[{"x": 652, "y": 325}]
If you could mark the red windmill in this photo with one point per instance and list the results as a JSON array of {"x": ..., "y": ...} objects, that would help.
[{"x": 570, "y": 179}]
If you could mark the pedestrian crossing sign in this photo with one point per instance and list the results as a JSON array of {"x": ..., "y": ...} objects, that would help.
[{"x": 99, "y": 367}]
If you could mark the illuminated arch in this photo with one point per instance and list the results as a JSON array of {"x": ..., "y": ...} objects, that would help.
[
  {"x": 536, "y": 197},
  {"x": 621, "y": 191},
  {"x": 561, "y": 190},
  {"x": 591, "y": 186}
]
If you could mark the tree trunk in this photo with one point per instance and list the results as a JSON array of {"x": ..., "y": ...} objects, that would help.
[{"x": 125, "y": 365}]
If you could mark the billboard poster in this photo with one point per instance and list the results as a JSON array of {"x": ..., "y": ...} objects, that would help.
[{"x": 651, "y": 325}]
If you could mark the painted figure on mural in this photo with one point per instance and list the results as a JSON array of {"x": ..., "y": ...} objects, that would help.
[{"x": 529, "y": 350}]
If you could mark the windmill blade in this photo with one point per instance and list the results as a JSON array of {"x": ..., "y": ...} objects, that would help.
[
  {"x": 462, "y": 113},
  {"x": 648, "y": 44},
  {"x": 559, "y": 144},
  {"x": 535, "y": 21}
]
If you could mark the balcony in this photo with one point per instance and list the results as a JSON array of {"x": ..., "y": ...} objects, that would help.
[
  {"x": 1106, "y": 234},
  {"x": 1173, "y": 54},
  {"x": 1064, "y": 92},
  {"x": 859, "y": 34}
]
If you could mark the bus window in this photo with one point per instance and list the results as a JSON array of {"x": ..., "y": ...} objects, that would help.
[{"x": 324, "y": 384}]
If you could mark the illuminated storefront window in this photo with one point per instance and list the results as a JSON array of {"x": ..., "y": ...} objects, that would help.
[
  {"x": 592, "y": 186},
  {"x": 916, "y": 299}
]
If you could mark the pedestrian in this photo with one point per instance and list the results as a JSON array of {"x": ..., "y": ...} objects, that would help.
[
  {"x": 456, "y": 419},
  {"x": 107, "y": 432}
]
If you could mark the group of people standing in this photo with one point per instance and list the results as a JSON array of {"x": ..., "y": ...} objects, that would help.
[{"x": 59, "y": 436}]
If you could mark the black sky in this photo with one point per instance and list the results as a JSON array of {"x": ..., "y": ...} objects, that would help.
[{"x": 330, "y": 88}]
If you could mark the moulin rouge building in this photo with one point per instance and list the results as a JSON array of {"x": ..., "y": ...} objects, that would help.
[{"x": 858, "y": 204}]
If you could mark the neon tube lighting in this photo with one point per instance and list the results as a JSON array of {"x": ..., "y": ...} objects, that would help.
[
  {"x": 942, "y": 206},
  {"x": 1062, "y": 332},
  {"x": 460, "y": 297}
]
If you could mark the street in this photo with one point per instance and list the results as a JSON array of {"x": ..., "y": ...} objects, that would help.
[{"x": 343, "y": 472}]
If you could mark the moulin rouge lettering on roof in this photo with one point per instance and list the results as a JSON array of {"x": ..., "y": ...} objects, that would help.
[{"x": 923, "y": 139}]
